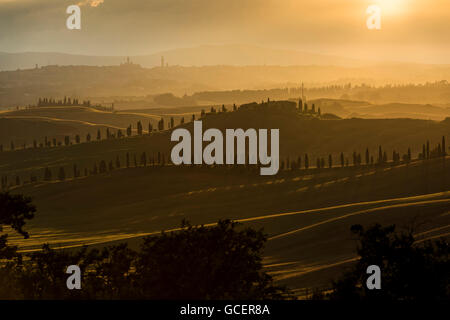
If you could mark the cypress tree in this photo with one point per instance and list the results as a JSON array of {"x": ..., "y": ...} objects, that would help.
[
  {"x": 144, "y": 159},
  {"x": 4, "y": 182},
  {"x": 444, "y": 150},
  {"x": 380, "y": 155},
  {"x": 293, "y": 165},
  {"x": 61, "y": 174},
  {"x": 102, "y": 167}
]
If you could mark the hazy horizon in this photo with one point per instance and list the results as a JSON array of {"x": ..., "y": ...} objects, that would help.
[
  {"x": 136, "y": 162},
  {"x": 367, "y": 60},
  {"x": 412, "y": 30}
]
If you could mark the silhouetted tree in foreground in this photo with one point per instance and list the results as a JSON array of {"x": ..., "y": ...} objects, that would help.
[
  {"x": 14, "y": 210},
  {"x": 409, "y": 271},
  {"x": 218, "y": 262}
]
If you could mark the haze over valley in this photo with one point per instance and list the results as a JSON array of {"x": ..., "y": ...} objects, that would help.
[{"x": 100, "y": 146}]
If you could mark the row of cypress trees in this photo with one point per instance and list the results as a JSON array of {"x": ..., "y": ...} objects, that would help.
[{"x": 301, "y": 162}]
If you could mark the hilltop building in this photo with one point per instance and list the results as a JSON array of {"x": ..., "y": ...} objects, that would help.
[
  {"x": 303, "y": 94},
  {"x": 271, "y": 106},
  {"x": 130, "y": 63}
]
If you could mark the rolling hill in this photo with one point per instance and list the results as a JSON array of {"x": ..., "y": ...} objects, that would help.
[
  {"x": 24, "y": 87},
  {"x": 25, "y": 125},
  {"x": 366, "y": 110},
  {"x": 195, "y": 56},
  {"x": 307, "y": 213},
  {"x": 298, "y": 135}
]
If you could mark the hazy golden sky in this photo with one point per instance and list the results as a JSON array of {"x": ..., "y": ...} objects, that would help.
[{"x": 413, "y": 30}]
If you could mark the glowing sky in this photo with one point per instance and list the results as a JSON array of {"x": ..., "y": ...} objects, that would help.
[{"x": 414, "y": 30}]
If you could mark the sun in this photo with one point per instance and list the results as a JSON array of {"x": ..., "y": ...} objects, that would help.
[{"x": 391, "y": 6}]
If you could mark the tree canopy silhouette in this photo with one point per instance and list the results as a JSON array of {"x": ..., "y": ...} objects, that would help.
[
  {"x": 196, "y": 262},
  {"x": 15, "y": 210},
  {"x": 410, "y": 271}
]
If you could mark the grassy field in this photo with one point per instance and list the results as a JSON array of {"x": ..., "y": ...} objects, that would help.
[
  {"x": 25, "y": 125},
  {"x": 298, "y": 136},
  {"x": 23, "y": 130},
  {"x": 307, "y": 213},
  {"x": 363, "y": 109}
]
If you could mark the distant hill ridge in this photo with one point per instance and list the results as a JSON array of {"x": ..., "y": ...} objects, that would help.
[{"x": 207, "y": 55}]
